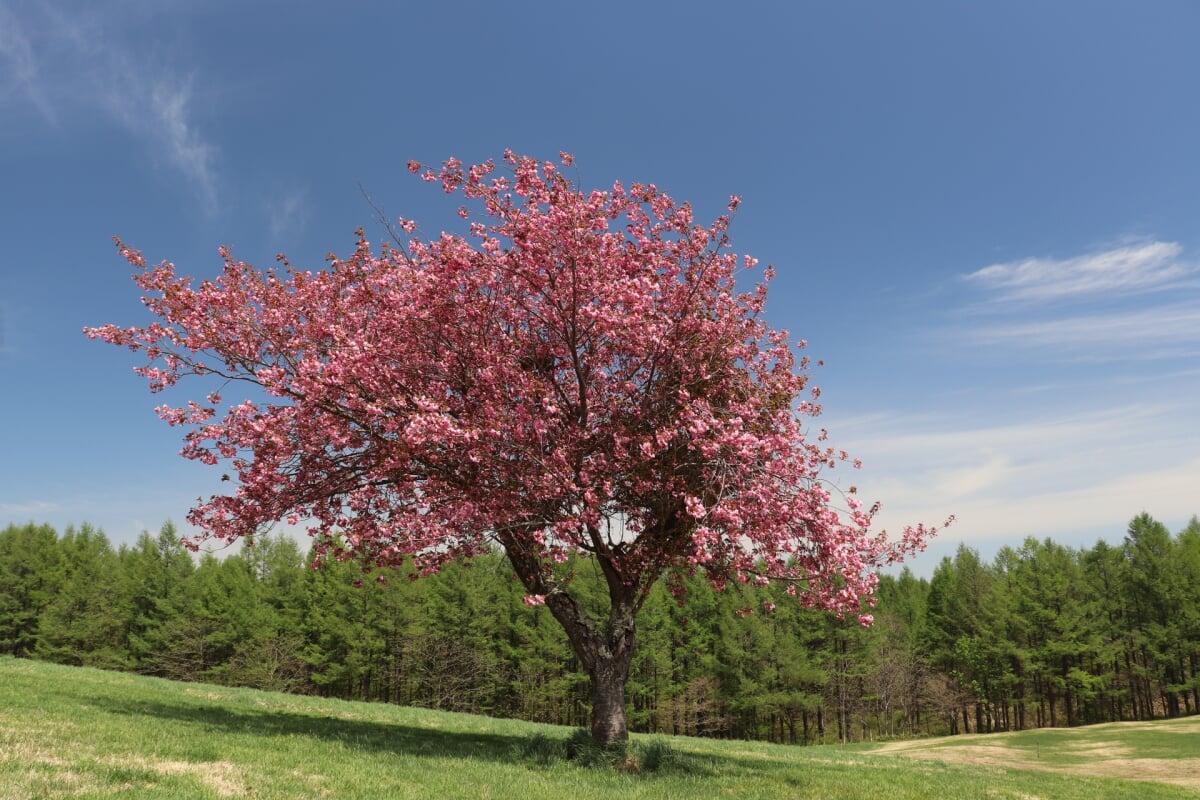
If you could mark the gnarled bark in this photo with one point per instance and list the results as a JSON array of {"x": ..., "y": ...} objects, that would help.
[{"x": 606, "y": 653}]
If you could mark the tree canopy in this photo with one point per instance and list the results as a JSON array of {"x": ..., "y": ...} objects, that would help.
[{"x": 577, "y": 374}]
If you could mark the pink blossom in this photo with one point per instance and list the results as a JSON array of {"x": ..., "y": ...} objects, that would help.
[{"x": 585, "y": 373}]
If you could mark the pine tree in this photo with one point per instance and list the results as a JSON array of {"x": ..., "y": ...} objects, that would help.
[{"x": 31, "y": 575}]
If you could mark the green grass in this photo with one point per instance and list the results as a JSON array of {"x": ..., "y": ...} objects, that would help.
[{"x": 82, "y": 733}]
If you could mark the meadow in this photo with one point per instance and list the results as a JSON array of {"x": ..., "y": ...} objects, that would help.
[{"x": 70, "y": 732}]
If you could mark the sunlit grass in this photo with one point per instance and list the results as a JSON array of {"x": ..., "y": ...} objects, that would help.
[
  {"x": 71, "y": 732},
  {"x": 1159, "y": 751}
]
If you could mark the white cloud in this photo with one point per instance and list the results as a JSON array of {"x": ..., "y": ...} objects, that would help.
[
  {"x": 1080, "y": 514},
  {"x": 1055, "y": 475},
  {"x": 20, "y": 66},
  {"x": 1165, "y": 331},
  {"x": 27, "y": 511},
  {"x": 1034, "y": 304},
  {"x": 186, "y": 149},
  {"x": 1135, "y": 268},
  {"x": 1081, "y": 415},
  {"x": 288, "y": 213},
  {"x": 69, "y": 63}
]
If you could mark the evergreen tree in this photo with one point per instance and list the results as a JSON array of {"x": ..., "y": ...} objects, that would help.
[
  {"x": 31, "y": 574},
  {"x": 269, "y": 655},
  {"x": 1153, "y": 583},
  {"x": 156, "y": 571},
  {"x": 85, "y": 622},
  {"x": 1188, "y": 613},
  {"x": 347, "y": 650},
  {"x": 901, "y": 617}
]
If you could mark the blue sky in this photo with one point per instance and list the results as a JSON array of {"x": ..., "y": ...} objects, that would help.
[{"x": 983, "y": 215}]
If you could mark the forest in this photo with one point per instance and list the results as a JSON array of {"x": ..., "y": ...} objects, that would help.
[{"x": 1041, "y": 636}]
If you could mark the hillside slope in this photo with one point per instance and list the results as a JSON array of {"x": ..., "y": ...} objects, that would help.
[{"x": 68, "y": 732}]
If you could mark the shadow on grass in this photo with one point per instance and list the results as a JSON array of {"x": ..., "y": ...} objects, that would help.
[
  {"x": 533, "y": 750},
  {"x": 365, "y": 735}
]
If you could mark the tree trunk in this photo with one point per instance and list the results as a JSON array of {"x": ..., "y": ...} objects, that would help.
[
  {"x": 605, "y": 651},
  {"x": 608, "y": 702}
]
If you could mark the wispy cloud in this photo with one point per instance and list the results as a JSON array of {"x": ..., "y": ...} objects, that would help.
[
  {"x": 1110, "y": 340},
  {"x": 20, "y": 72},
  {"x": 1143, "y": 267},
  {"x": 30, "y": 510},
  {"x": 288, "y": 212},
  {"x": 1165, "y": 331},
  {"x": 1093, "y": 308},
  {"x": 71, "y": 63},
  {"x": 166, "y": 105},
  {"x": 1074, "y": 471}
]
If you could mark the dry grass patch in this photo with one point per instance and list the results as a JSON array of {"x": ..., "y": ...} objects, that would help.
[
  {"x": 1107, "y": 751},
  {"x": 1183, "y": 772}
]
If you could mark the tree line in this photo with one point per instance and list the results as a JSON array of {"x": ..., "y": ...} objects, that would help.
[{"x": 1042, "y": 635}]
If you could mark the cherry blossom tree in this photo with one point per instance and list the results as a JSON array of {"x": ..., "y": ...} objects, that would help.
[{"x": 578, "y": 379}]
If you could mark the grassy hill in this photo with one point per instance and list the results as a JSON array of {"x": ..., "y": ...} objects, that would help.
[{"x": 82, "y": 733}]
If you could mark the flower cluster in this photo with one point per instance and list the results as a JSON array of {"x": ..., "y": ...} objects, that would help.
[{"x": 580, "y": 374}]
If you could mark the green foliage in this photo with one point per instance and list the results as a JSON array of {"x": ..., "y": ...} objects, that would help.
[
  {"x": 31, "y": 572},
  {"x": 1042, "y": 636},
  {"x": 84, "y": 622},
  {"x": 157, "y": 571}
]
